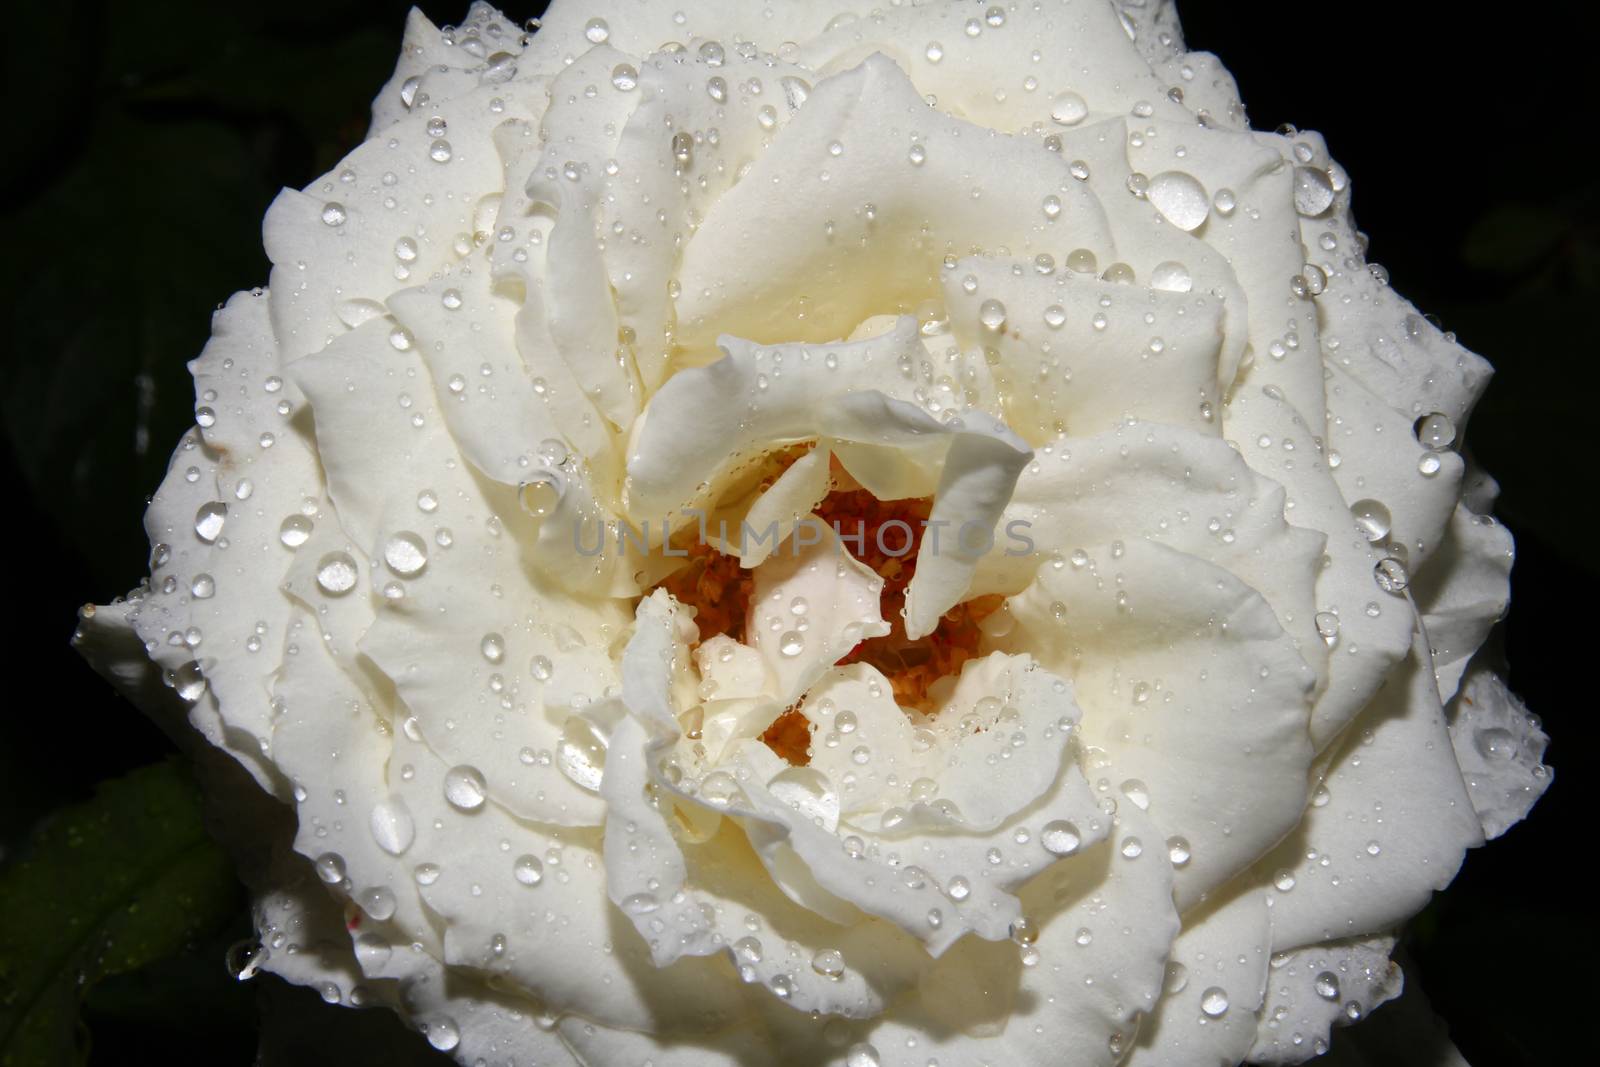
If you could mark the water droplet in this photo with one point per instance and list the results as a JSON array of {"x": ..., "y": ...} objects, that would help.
[
  {"x": 597, "y": 31},
  {"x": 1435, "y": 431},
  {"x": 862, "y": 1055},
  {"x": 625, "y": 76},
  {"x": 1214, "y": 1001},
  {"x": 1180, "y": 198},
  {"x": 189, "y": 682},
  {"x": 439, "y": 151},
  {"x": 683, "y": 149},
  {"x": 992, "y": 314},
  {"x": 1068, "y": 109},
  {"x": 791, "y": 644},
  {"x": 1171, "y": 277},
  {"x": 378, "y": 902},
  {"x": 406, "y": 554},
  {"x": 330, "y": 868},
  {"x": 209, "y": 519},
  {"x": 295, "y": 531},
  {"x": 391, "y": 825},
  {"x": 934, "y": 52},
  {"x": 1372, "y": 518},
  {"x": 372, "y": 952},
  {"x": 1313, "y": 192},
  {"x": 581, "y": 752},
  {"x": 493, "y": 647},
  {"x": 1327, "y": 985},
  {"x": 528, "y": 870},
  {"x": 337, "y": 573},
  {"x": 334, "y": 214},
  {"x": 1060, "y": 837},
  {"x": 203, "y": 587},
  {"x": 1328, "y": 626},
  {"x": 1391, "y": 576},
  {"x": 442, "y": 1032},
  {"x": 829, "y": 963},
  {"x": 1178, "y": 851},
  {"x": 465, "y": 788}
]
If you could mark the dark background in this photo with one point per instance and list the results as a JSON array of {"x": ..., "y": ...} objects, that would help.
[{"x": 143, "y": 143}]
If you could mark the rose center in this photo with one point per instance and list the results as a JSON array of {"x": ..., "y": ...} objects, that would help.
[{"x": 719, "y": 589}]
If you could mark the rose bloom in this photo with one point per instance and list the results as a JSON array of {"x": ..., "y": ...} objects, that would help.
[{"x": 1099, "y": 686}]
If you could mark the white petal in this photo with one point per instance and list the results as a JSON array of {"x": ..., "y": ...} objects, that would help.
[
  {"x": 1500, "y": 748},
  {"x": 1222, "y": 949},
  {"x": 809, "y": 606},
  {"x": 755, "y": 258},
  {"x": 1464, "y": 591},
  {"x": 1158, "y": 646},
  {"x": 1318, "y": 987},
  {"x": 1389, "y": 826},
  {"x": 395, "y": 473},
  {"x": 1079, "y": 356}
]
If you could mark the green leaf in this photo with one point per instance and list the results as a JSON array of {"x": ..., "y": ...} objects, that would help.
[{"x": 103, "y": 888}]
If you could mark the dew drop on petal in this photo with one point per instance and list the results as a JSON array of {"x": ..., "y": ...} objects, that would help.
[
  {"x": 1313, "y": 191},
  {"x": 528, "y": 870},
  {"x": 1068, "y": 109},
  {"x": 1180, "y": 198},
  {"x": 295, "y": 531},
  {"x": 1372, "y": 518},
  {"x": 209, "y": 519},
  {"x": 1060, "y": 837},
  {"x": 337, "y": 573},
  {"x": 1391, "y": 576},
  {"x": 392, "y": 826},
  {"x": 406, "y": 554},
  {"x": 465, "y": 788}
]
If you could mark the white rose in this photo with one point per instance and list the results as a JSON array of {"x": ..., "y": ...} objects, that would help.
[{"x": 1158, "y": 791}]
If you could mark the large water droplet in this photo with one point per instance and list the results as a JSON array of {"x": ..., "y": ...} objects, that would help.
[
  {"x": 1214, "y": 1001},
  {"x": 1372, "y": 518},
  {"x": 337, "y": 573},
  {"x": 1171, "y": 277},
  {"x": 1391, "y": 575},
  {"x": 1068, "y": 109},
  {"x": 862, "y": 1055},
  {"x": 443, "y": 1034},
  {"x": 1060, "y": 837},
  {"x": 465, "y": 788},
  {"x": 1435, "y": 431},
  {"x": 1180, "y": 198},
  {"x": 295, "y": 531},
  {"x": 391, "y": 825},
  {"x": 581, "y": 753},
  {"x": 1313, "y": 192},
  {"x": 406, "y": 554},
  {"x": 528, "y": 870},
  {"x": 209, "y": 519}
]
